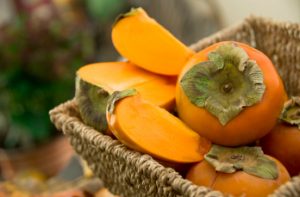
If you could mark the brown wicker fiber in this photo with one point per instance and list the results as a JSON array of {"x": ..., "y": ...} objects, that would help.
[{"x": 129, "y": 173}]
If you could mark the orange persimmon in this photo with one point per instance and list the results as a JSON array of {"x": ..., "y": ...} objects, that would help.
[
  {"x": 143, "y": 41},
  {"x": 283, "y": 142},
  {"x": 103, "y": 192},
  {"x": 68, "y": 193},
  {"x": 147, "y": 128},
  {"x": 95, "y": 82},
  {"x": 230, "y": 93},
  {"x": 240, "y": 182}
]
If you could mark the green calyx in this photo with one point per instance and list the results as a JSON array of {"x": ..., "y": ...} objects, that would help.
[
  {"x": 291, "y": 112},
  {"x": 251, "y": 160},
  {"x": 92, "y": 101},
  {"x": 132, "y": 12},
  {"x": 117, "y": 96},
  {"x": 225, "y": 84}
]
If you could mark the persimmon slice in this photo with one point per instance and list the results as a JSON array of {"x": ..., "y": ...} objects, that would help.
[
  {"x": 147, "y": 128},
  {"x": 143, "y": 41},
  {"x": 95, "y": 82}
]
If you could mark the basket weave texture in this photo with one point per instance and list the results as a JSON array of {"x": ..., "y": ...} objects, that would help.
[{"x": 129, "y": 173}]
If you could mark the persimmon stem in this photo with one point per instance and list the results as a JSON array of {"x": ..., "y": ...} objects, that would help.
[{"x": 227, "y": 87}]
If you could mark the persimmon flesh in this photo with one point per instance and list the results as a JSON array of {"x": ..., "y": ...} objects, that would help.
[
  {"x": 95, "y": 82},
  {"x": 143, "y": 41},
  {"x": 147, "y": 128}
]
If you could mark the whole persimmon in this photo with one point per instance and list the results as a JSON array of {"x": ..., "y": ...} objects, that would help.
[
  {"x": 230, "y": 93},
  {"x": 243, "y": 171},
  {"x": 283, "y": 142}
]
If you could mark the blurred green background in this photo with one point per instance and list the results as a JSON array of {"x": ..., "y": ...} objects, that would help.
[{"x": 44, "y": 42}]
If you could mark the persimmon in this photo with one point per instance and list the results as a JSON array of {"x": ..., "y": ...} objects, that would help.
[
  {"x": 68, "y": 193},
  {"x": 147, "y": 128},
  {"x": 143, "y": 41},
  {"x": 95, "y": 82},
  {"x": 104, "y": 193},
  {"x": 283, "y": 142},
  {"x": 181, "y": 168},
  {"x": 230, "y": 93},
  {"x": 243, "y": 171}
]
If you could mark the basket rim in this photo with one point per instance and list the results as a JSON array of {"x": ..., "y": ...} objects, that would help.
[
  {"x": 250, "y": 21},
  {"x": 141, "y": 161}
]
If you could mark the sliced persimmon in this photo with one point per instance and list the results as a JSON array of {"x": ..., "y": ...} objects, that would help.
[
  {"x": 147, "y": 128},
  {"x": 95, "y": 82},
  {"x": 143, "y": 41}
]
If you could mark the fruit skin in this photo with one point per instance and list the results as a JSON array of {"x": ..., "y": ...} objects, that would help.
[
  {"x": 149, "y": 129},
  {"x": 238, "y": 183},
  {"x": 146, "y": 43},
  {"x": 91, "y": 101},
  {"x": 252, "y": 123},
  {"x": 283, "y": 143},
  {"x": 68, "y": 193}
]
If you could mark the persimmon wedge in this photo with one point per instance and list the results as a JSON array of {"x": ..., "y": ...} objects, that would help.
[
  {"x": 95, "y": 82},
  {"x": 230, "y": 93},
  {"x": 149, "y": 129},
  {"x": 143, "y": 41}
]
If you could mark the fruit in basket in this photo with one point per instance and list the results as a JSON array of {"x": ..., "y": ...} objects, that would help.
[
  {"x": 69, "y": 193},
  {"x": 95, "y": 82},
  {"x": 150, "y": 129},
  {"x": 230, "y": 93},
  {"x": 146, "y": 43},
  {"x": 283, "y": 142},
  {"x": 243, "y": 171}
]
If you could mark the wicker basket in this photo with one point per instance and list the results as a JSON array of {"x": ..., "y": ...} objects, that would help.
[{"x": 129, "y": 173}]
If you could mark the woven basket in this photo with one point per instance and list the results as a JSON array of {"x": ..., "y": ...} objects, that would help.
[{"x": 129, "y": 173}]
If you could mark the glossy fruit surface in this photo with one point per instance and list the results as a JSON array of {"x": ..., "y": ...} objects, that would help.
[
  {"x": 248, "y": 125},
  {"x": 283, "y": 143},
  {"x": 238, "y": 183}
]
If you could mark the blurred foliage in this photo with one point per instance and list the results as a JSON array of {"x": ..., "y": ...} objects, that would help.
[
  {"x": 37, "y": 68},
  {"x": 106, "y": 10}
]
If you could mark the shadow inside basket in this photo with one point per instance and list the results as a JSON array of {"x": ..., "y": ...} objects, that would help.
[{"x": 129, "y": 173}]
